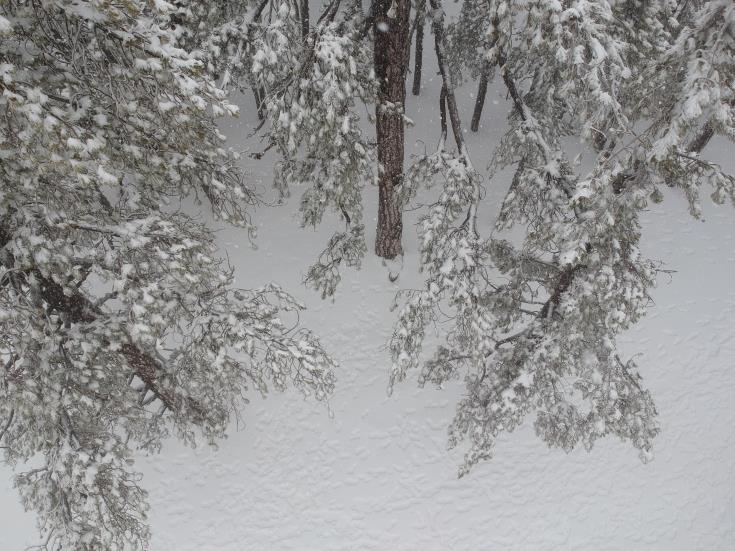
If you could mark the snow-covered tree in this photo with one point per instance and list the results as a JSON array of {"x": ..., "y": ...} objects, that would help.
[
  {"x": 310, "y": 77},
  {"x": 314, "y": 78},
  {"x": 533, "y": 321},
  {"x": 119, "y": 324}
]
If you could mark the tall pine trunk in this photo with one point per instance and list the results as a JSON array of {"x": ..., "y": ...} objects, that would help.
[
  {"x": 419, "y": 49},
  {"x": 480, "y": 101},
  {"x": 391, "y": 32},
  {"x": 304, "y": 19}
]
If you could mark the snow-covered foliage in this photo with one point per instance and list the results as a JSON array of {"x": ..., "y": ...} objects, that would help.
[
  {"x": 311, "y": 94},
  {"x": 309, "y": 87},
  {"x": 533, "y": 321},
  {"x": 466, "y": 39},
  {"x": 119, "y": 324},
  {"x": 695, "y": 81}
]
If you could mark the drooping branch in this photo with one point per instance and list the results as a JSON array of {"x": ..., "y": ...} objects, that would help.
[
  {"x": 698, "y": 142},
  {"x": 449, "y": 102},
  {"x": 79, "y": 309}
]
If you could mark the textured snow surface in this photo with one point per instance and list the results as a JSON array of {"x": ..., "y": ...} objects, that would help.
[{"x": 377, "y": 476}]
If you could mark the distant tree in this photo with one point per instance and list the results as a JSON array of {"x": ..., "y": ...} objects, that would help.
[{"x": 119, "y": 325}]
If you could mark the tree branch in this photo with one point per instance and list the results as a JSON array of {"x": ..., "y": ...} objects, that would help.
[
  {"x": 438, "y": 26},
  {"x": 7, "y": 425}
]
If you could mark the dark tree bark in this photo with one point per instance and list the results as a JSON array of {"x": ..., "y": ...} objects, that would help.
[
  {"x": 419, "y": 50},
  {"x": 258, "y": 94},
  {"x": 391, "y": 44},
  {"x": 304, "y": 19},
  {"x": 702, "y": 138},
  {"x": 480, "y": 101}
]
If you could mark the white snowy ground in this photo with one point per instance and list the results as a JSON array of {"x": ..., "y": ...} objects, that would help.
[{"x": 377, "y": 476}]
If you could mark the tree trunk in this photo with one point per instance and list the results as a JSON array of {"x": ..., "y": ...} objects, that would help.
[
  {"x": 304, "y": 19},
  {"x": 480, "y": 101},
  {"x": 419, "y": 50},
  {"x": 391, "y": 43},
  {"x": 259, "y": 95}
]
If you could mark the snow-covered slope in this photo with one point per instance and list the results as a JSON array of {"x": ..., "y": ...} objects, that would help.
[{"x": 376, "y": 475}]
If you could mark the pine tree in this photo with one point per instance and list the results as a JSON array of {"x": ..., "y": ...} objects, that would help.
[
  {"x": 312, "y": 86},
  {"x": 534, "y": 322},
  {"x": 465, "y": 53},
  {"x": 119, "y": 324},
  {"x": 392, "y": 43}
]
